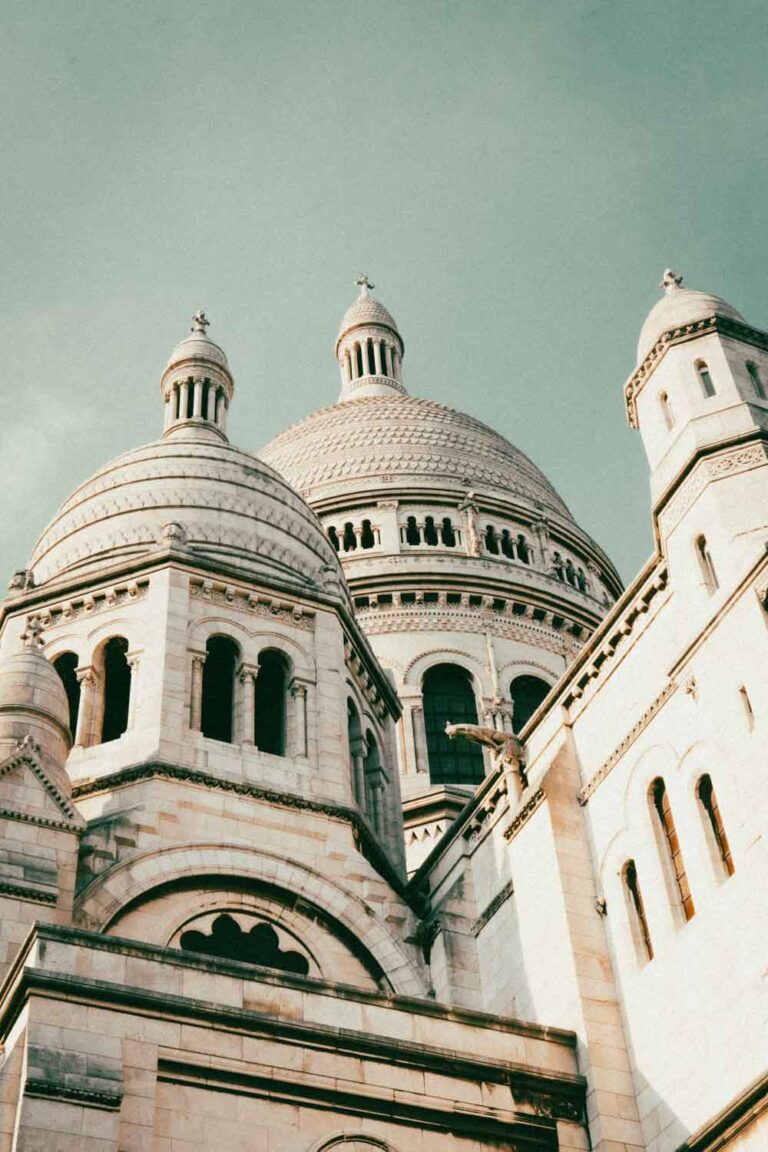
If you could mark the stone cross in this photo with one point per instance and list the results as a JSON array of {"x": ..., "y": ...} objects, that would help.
[
  {"x": 200, "y": 322},
  {"x": 670, "y": 280},
  {"x": 364, "y": 284}
]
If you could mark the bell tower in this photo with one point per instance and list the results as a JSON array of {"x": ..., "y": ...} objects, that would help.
[{"x": 699, "y": 397}]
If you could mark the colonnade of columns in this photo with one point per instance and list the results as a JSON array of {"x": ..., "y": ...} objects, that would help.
[
  {"x": 209, "y": 402},
  {"x": 356, "y": 360}
]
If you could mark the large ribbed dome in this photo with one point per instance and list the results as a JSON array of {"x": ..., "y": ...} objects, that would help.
[
  {"x": 403, "y": 441},
  {"x": 202, "y": 495}
]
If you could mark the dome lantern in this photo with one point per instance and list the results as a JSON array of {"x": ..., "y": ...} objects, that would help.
[
  {"x": 197, "y": 386},
  {"x": 369, "y": 349}
]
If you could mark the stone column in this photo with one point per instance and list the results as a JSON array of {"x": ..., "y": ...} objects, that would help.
[
  {"x": 377, "y": 357},
  {"x": 88, "y": 681},
  {"x": 247, "y": 677},
  {"x": 183, "y": 399},
  {"x": 357, "y": 752},
  {"x": 385, "y": 359},
  {"x": 299, "y": 697},
  {"x": 197, "y": 402},
  {"x": 133, "y": 660},
  {"x": 196, "y": 692},
  {"x": 541, "y": 528},
  {"x": 420, "y": 738}
]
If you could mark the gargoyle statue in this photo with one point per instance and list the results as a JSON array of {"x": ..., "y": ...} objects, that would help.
[{"x": 506, "y": 748}]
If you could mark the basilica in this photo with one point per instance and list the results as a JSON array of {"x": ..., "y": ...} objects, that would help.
[{"x": 349, "y": 802}]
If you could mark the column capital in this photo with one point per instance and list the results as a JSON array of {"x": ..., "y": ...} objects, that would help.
[
  {"x": 87, "y": 675},
  {"x": 246, "y": 670}
]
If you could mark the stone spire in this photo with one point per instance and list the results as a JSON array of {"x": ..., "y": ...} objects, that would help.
[
  {"x": 369, "y": 348},
  {"x": 197, "y": 386}
]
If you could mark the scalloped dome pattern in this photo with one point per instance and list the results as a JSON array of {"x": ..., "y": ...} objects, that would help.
[
  {"x": 230, "y": 507},
  {"x": 366, "y": 310},
  {"x": 402, "y": 440}
]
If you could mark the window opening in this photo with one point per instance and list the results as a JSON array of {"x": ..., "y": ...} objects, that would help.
[
  {"x": 219, "y": 688},
  {"x": 449, "y": 698},
  {"x": 660, "y": 798},
  {"x": 367, "y": 538},
  {"x": 117, "y": 689},
  {"x": 757, "y": 383},
  {"x": 526, "y": 693},
  {"x": 66, "y": 665},
  {"x": 706, "y": 795},
  {"x": 632, "y": 885},
  {"x": 430, "y": 532},
  {"x": 705, "y": 378},
  {"x": 271, "y": 702}
]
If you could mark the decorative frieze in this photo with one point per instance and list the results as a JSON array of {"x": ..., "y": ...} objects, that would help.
[
  {"x": 492, "y": 908},
  {"x": 89, "y": 604},
  {"x": 595, "y": 781},
  {"x": 524, "y": 815},
  {"x": 710, "y": 468},
  {"x": 255, "y": 604},
  {"x": 379, "y": 619}
]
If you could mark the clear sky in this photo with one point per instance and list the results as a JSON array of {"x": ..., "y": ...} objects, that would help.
[{"x": 514, "y": 176}]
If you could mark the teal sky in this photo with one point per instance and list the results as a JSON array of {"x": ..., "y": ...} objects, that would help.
[{"x": 514, "y": 176}]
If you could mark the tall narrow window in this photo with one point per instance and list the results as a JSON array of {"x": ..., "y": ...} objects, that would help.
[
  {"x": 666, "y": 410},
  {"x": 526, "y": 692},
  {"x": 507, "y": 544},
  {"x": 356, "y": 753},
  {"x": 349, "y": 539},
  {"x": 706, "y": 564},
  {"x": 746, "y": 704},
  {"x": 640, "y": 932},
  {"x": 374, "y": 784},
  {"x": 65, "y": 665},
  {"x": 412, "y": 533},
  {"x": 359, "y": 360},
  {"x": 449, "y": 536},
  {"x": 117, "y": 689},
  {"x": 714, "y": 822},
  {"x": 430, "y": 532},
  {"x": 333, "y": 536},
  {"x": 757, "y": 383},
  {"x": 491, "y": 543},
  {"x": 367, "y": 538},
  {"x": 705, "y": 378},
  {"x": 523, "y": 549},
  {"x": 219, "y": 688},
  {"x": 663, "y": 810},
  {"x": 271, "y": 702},
  {"x": 450, "y": 699}
]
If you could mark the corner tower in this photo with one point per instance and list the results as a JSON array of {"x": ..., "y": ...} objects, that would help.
[{"x": 369, "y": 349}]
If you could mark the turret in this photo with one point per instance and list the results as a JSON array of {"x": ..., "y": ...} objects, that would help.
[
  {"x": 369, "y": 349},
  {"x": 197, "y": 387},
  {"x": 699, "y": 398}
]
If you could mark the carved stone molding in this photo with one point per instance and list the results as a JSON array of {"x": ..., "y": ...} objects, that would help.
[
  {"x": 608, "y": 765},
  {"x": 492, "y": 908},
  {"x": 229, "y": 595},
  {"x": 524, "y": 815},
  {"x": 434, "y": 618},
  {"x": 89, "y": 604},
  {"x": 741, "y": 459}
]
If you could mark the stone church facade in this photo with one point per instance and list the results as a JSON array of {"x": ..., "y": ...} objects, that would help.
[{"x": 254, "y": 897}]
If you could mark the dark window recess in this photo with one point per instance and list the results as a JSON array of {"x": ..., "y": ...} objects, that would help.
[
  {"x": 349, "y": 540},
  {"x": 271, "y": 702},
  {"x": 449, "y": 699},
  {"x": 430, "y": 597},
  {"x": 367, "y": 538},
  {"x": 638, "y": 908},
  {"x": 430, "y": 532},
  {"x": 660, "y": 799},
  {"x": 117, "y": 689},
  {"x": 523, "y": 550},
  {"x": 219, "y": 688},
  {"x": 408, "y": 598},
  {"x": 260, "y": 945},
  {"x": 65, "y": 665},
  {"x": 491, "y": 543},
  {"x": 334, "y": 538},
  {"x": 706, "y": 794},
  {"x": 385, "y": 598},
  {"x": 448, "y": 534},
  {"x": 526, "y": 692},
  {"x": 453, "y": 598},
  {"x": 412, "y": 534},
  {"x": 362, "y": 601}
]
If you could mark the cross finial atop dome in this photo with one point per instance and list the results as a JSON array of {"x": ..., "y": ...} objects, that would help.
[
  {"x": 364, "y": 284},
  {"x": 671, "y": 281},
  {"x": 200, "y": 322}
]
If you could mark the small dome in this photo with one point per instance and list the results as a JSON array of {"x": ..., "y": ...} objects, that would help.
[
  {"x": 198, "y": 346},
  {"x": 33, "y": 703},
  {"x": 365, "y": 311},
  {"x": 678, "y": 307},
  {"x": 208, "y": 498}
]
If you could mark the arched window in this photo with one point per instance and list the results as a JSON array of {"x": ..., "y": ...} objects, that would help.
[
  {"x": 491, "y": 543},
  {"x": 523, "y": 549},
  {"x": 581, "y": 580},
  {"x": 227, "y": 940},
  {"x": 507, "y": 545},
  {"x": 430, "y": 532},
  {"x": 449, "y": 536},
  {"x": 558, "y": 566},
  {"x": 117, "y": 689},
  {"x": 670, "y": 844},
  {"x": 412, "y": 533},
  {"x": 333, "y": 536},
  {"x": 349, "y": 539},
  {"x": 666, "y": 410},
  {"x": 65, "y": 665},
  {"x": 374, "y": 784},
  {"x": 450, "y": 699},
  {"x": 222, "y": 654},
  {"x": 526, "y": 693},
  {"x": 371, "y": 360},
  {"x": 359, "y": 360},
  {"x": 570, "y": 572},
  {"x": 271, "y": 702},
  {"x": 705, "y": 379},
  {"x": 367, "y": 538},
  {"x": 706, "y": 564},
  {"x": 714, "y": 823},
  {"x": 757, "y": 383},
  {"x": 638, "y": 920}
]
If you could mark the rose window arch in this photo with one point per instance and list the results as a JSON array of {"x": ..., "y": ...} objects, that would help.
[{"x": 249, "y": 938}]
